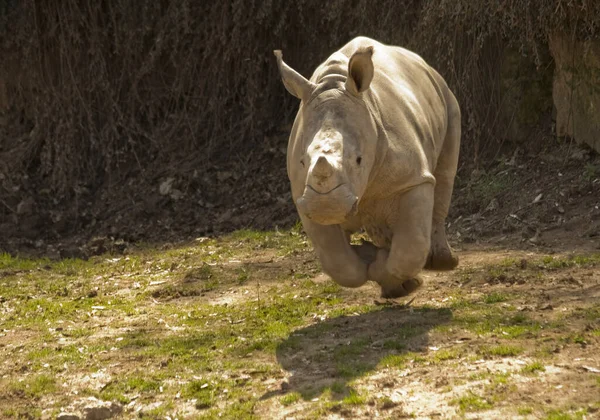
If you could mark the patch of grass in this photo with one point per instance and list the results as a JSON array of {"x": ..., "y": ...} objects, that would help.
[
  {"x": 284, "y": 242},
  {"x": 500, "y": 378},
  {"x": 203, "y": 392},
  {"x": 290, "y": 398},
  {"x": 495, "y": 297},
  {"x": 9, "y": 263},
  {"x": 232, "y": 411},
  {"x": 502, "y": 350},
  {"x": 508, "y": 262},
  {"x": 533, "y": 368},
  {"x": 346, "y": 358},
  {"x": 592, "y": 313},
  {"x": 120, "y": 388},
  {"x": 556, "y": 414},
  {"x": 242, "y": 276},
  {"x": 34, "y": 387},
  {"x": 478, "y": 376},
  {"x": 484, "y": 320},
  {"x": 352, "y": 369},
  {"x": 553, "y": 262},
  {"x": 338, "y": 387},
  {"x": 394, "y": 344},
  {"x": 524, "y": 411},
  {"x": 472, "y": 402},
  {"x": 444, "y": 354},
  {"x": 354, "y": 398},
  {"x": 400, "y": 361}
]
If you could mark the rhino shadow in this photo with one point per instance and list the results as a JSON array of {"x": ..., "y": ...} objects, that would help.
[{"x": 333, "y": 352}]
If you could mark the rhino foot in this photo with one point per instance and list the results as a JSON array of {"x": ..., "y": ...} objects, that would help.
[
  {"x": 404, "y": 289},
  {"x": 441, "y": 259}
]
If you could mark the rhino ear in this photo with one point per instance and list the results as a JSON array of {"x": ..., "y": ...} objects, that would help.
[
  {"x": 293, "y": 81},
  {"x": 360, "y": 70}
]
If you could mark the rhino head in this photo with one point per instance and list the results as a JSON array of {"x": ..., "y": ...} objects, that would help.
[{"x": 333, "y": 142}]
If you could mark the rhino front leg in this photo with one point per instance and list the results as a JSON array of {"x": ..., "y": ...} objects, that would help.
[
  {"x": 397, "y": 270},
  {"x": 338, "y": 258}
]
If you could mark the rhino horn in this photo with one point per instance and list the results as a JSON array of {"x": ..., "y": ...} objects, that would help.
[
  {"x": 322, "y": 168},
  {"x": 294, "y": 82}
]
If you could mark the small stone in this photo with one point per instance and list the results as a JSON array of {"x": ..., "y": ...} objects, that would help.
[
  {"x": 166, "y": 186},
  {"x": 68, "y": 416}
]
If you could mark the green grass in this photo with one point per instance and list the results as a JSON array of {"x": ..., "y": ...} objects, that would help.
[
  {"x": 354, "y": 398},
  {"x": 290, "y": 398},
  {"x": 556, "y": 414},
  {"x": 495, "y": 297},
  {"x": 533, "y": 368},
  {"x": 34, "y": 387},
  {"x": 472, "y": 402},
  {"x": 551, "y": 262},
  {"x": 525, "y": 411},
  {"x": 9, "y": 263},
  {"x": 486, "y": 320},
  {"x": 444, "y": 355},
  {"x": 502, "y": 350}
]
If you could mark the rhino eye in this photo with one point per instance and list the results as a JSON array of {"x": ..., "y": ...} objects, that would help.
[
  {"x": 358, "y": 160},
  {"x": 302, "y": 162}
]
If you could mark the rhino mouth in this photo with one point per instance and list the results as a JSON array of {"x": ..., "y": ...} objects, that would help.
[
  {"x": 328, "y": 208},
  {"x": 326, "y": 192}
]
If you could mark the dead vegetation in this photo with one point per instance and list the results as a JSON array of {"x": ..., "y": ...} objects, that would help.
[{"x": 101, "y": 98}]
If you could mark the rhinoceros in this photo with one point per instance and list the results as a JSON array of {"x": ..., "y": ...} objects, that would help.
[{"x": 374, "y": 147}]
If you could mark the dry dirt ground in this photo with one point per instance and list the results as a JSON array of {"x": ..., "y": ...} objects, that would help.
[{"x": 246, "y": 326}]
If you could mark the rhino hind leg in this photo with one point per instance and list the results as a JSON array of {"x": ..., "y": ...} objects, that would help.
[{"x": 441, "y": 256}]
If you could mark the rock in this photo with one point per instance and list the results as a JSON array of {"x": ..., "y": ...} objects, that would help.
[
  {"x": 575, "y": 88},
  {"x": 101, "y": 410},
  {"x": 68, "y": 416},
  {"x": 166, "y": 186}
]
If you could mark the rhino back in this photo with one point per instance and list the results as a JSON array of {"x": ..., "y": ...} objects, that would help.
[{"x": 407, "y": 99}]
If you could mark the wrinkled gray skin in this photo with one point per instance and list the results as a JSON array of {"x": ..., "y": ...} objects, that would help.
[{"x": 375, "y": 146}]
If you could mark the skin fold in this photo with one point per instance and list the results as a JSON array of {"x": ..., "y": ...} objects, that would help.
[{"x": 374, "y": 146}]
